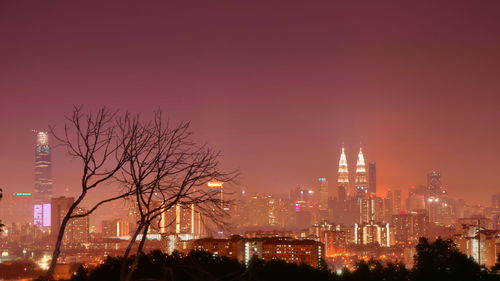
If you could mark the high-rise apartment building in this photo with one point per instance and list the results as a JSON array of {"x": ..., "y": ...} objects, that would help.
[
  {"x": 408, "y": 228},
  {"x": 394, "y": 197},
  {"x": 479, "y": 243},
  {"x": 371, "y": 209},
  {"x": 77, "y": 229},
  {"x": 369, "y": 233},
  {"x": 115, "y": 228},
  {"x": 183, "y": 219},
  {"x": 43, "y": 182}
]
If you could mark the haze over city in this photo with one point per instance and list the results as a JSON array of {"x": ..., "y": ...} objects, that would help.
[
  {"x": 280, "y": 88},
  {"x": 276, "y": 89}
]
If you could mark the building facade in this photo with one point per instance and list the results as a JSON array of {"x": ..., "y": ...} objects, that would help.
[{"x": 43, "y": 182}]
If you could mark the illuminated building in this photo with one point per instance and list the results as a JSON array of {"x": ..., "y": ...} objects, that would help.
[
  {"x": 268, "y": 233},
  {"x": 232, "y": 248},
  {"x": 408, "y": 228},
  {"x": 263, "y": 210},
  {"x": 181, "y": 220},
  {"x": 303, "y": 214},
  {"x": 303, "y": 205},
  {"x": 77, "y": 232},
  {"x": 361, "y": 185},
  {"x": 371, "y": 208},
  {"x": 372, "y": 177},
  {"x": 333, "y": 236},
  {"x": 115, "y": 228},
  {"x": 434, "y": 184},
  {"x": 258, "y": 212},
  {"x": 369, "y": 233},
  {"x": 343, "y": 177},
  {"x": 77, "y": 229},
  {"x": 322, "y": 194},
  {"x": 335, "y": 241},
  {"x": 440, "y": 207},
  {"x": 479, "y": 243},
  {"x": 476, "y": 220},
  {"x": 278, "y": 212},
  {"x": 392, "y": 203},
  {"x": 290, "y": 250},
  {"x": 43, "y": 181},
  {"x": 308, "y": 252},
  {"x": 341, "y": 207},
  {"x": 218, "y": 188}
]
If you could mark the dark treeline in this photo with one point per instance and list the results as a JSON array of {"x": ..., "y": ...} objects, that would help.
[{"x": 439, "y": 261}]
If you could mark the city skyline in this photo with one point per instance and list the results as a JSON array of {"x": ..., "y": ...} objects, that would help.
[{"x": 250, "y": 140}]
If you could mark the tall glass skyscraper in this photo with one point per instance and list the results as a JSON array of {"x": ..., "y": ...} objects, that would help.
[{"x": 43, "y": 181}]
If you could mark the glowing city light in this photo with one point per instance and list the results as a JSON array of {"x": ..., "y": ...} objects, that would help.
[{"x": 215, "y": 183}]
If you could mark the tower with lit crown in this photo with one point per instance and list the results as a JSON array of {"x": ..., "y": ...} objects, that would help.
[
  {"x": 361, "y": 183},
  {"x": 343, "y": 177},
  {"x": 43, "y": 181}
]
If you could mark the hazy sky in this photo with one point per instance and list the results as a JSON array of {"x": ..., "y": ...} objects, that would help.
[{"x": 276, "y": 85}]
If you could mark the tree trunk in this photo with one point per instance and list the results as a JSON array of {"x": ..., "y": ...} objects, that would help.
[
  {"x": 57, "y": 247},
  {"x": 123, "y": 271},
  {"x": 60, "y": 235},
  {"x": 133, "y": 267}
]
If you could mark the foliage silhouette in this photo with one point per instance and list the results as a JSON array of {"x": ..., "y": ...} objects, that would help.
[{"x": 439, "y": 260}]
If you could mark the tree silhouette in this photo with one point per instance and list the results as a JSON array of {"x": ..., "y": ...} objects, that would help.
[
  {"x": 166, "y": 168},
  {"x": 99, "y": 141},
  {"x": 436, "y": 261},
  {"x": 442, "y": 261}
]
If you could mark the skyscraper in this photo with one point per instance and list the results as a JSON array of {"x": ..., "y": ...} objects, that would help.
[
  {"x": 370, "y": 208},
  {"x": 343, "y": 177},
  {"x": 322, "y": 194},
  {"x": 372, "y": 177},
  {"x": 361, "y": 185},
  {"x": 218, "y": 188},
  {"x": 394, "y": 199},
  {"x": 438, "y": 205},
  {"x": 408, "y": 228},
  {"x": 43, "y": 181},
  {"x": 434, "y": 184},
  {"x": 78, "y": 229}
]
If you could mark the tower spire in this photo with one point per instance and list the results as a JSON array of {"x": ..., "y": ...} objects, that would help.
[
  {"x": 361, "y": 184},
  {"x": 343, "y": 175}
]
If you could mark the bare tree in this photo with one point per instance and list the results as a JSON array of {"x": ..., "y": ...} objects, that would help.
[
  {"x": 165, "y": 169},
  {"x": 100, "y": 141}
]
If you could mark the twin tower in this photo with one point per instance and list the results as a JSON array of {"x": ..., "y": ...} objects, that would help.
[{"x": 361, "y": 184}]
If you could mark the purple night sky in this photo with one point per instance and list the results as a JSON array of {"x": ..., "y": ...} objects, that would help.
[{"x": 276, "y": 85}]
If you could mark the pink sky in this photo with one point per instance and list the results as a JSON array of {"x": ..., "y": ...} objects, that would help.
[{"x": 277, "y": 86}]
